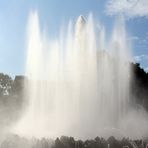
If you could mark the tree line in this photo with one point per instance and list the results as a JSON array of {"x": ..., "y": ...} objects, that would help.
[
  {"x": 15, "y": 141},
  {"x": 13, "y": 88},
  {"x": 139, "y": 85},
  {"x": 11, "y": 92},
  {"x": 11, "y": 99}
]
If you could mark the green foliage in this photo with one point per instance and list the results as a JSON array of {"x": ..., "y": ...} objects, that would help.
[
  {"x": 10, "y": 87},
  {"x": 11, "y": 99},
  {"x": 5, "y": 84}
]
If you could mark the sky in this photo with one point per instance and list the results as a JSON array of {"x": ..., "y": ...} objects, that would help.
[{"x": 54, "y": 13}]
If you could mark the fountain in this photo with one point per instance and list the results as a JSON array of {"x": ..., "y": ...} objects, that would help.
[{"x": 77, "y": 85}]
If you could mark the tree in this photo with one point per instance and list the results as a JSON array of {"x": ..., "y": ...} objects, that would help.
[
  {"x": 5, "y": 84},
  {"x": 139, "y": 85}
]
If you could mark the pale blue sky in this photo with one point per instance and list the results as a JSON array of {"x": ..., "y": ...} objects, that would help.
[{"x": 14, "y": 16}]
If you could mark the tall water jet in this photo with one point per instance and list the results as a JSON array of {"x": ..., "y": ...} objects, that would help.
[{"x": 78, "y": 88}]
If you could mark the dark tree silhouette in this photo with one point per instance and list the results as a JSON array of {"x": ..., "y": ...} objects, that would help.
[{"x": 139, "y": 85}]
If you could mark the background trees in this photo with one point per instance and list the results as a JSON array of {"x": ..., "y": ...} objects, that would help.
[
  {"x": 139, "y": 85},
  {"x": 12, "y": 99},
  {"x": 6, "y": 83}
]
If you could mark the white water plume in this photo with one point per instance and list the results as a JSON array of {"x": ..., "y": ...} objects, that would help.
[{"x": 76, "y": 87}]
